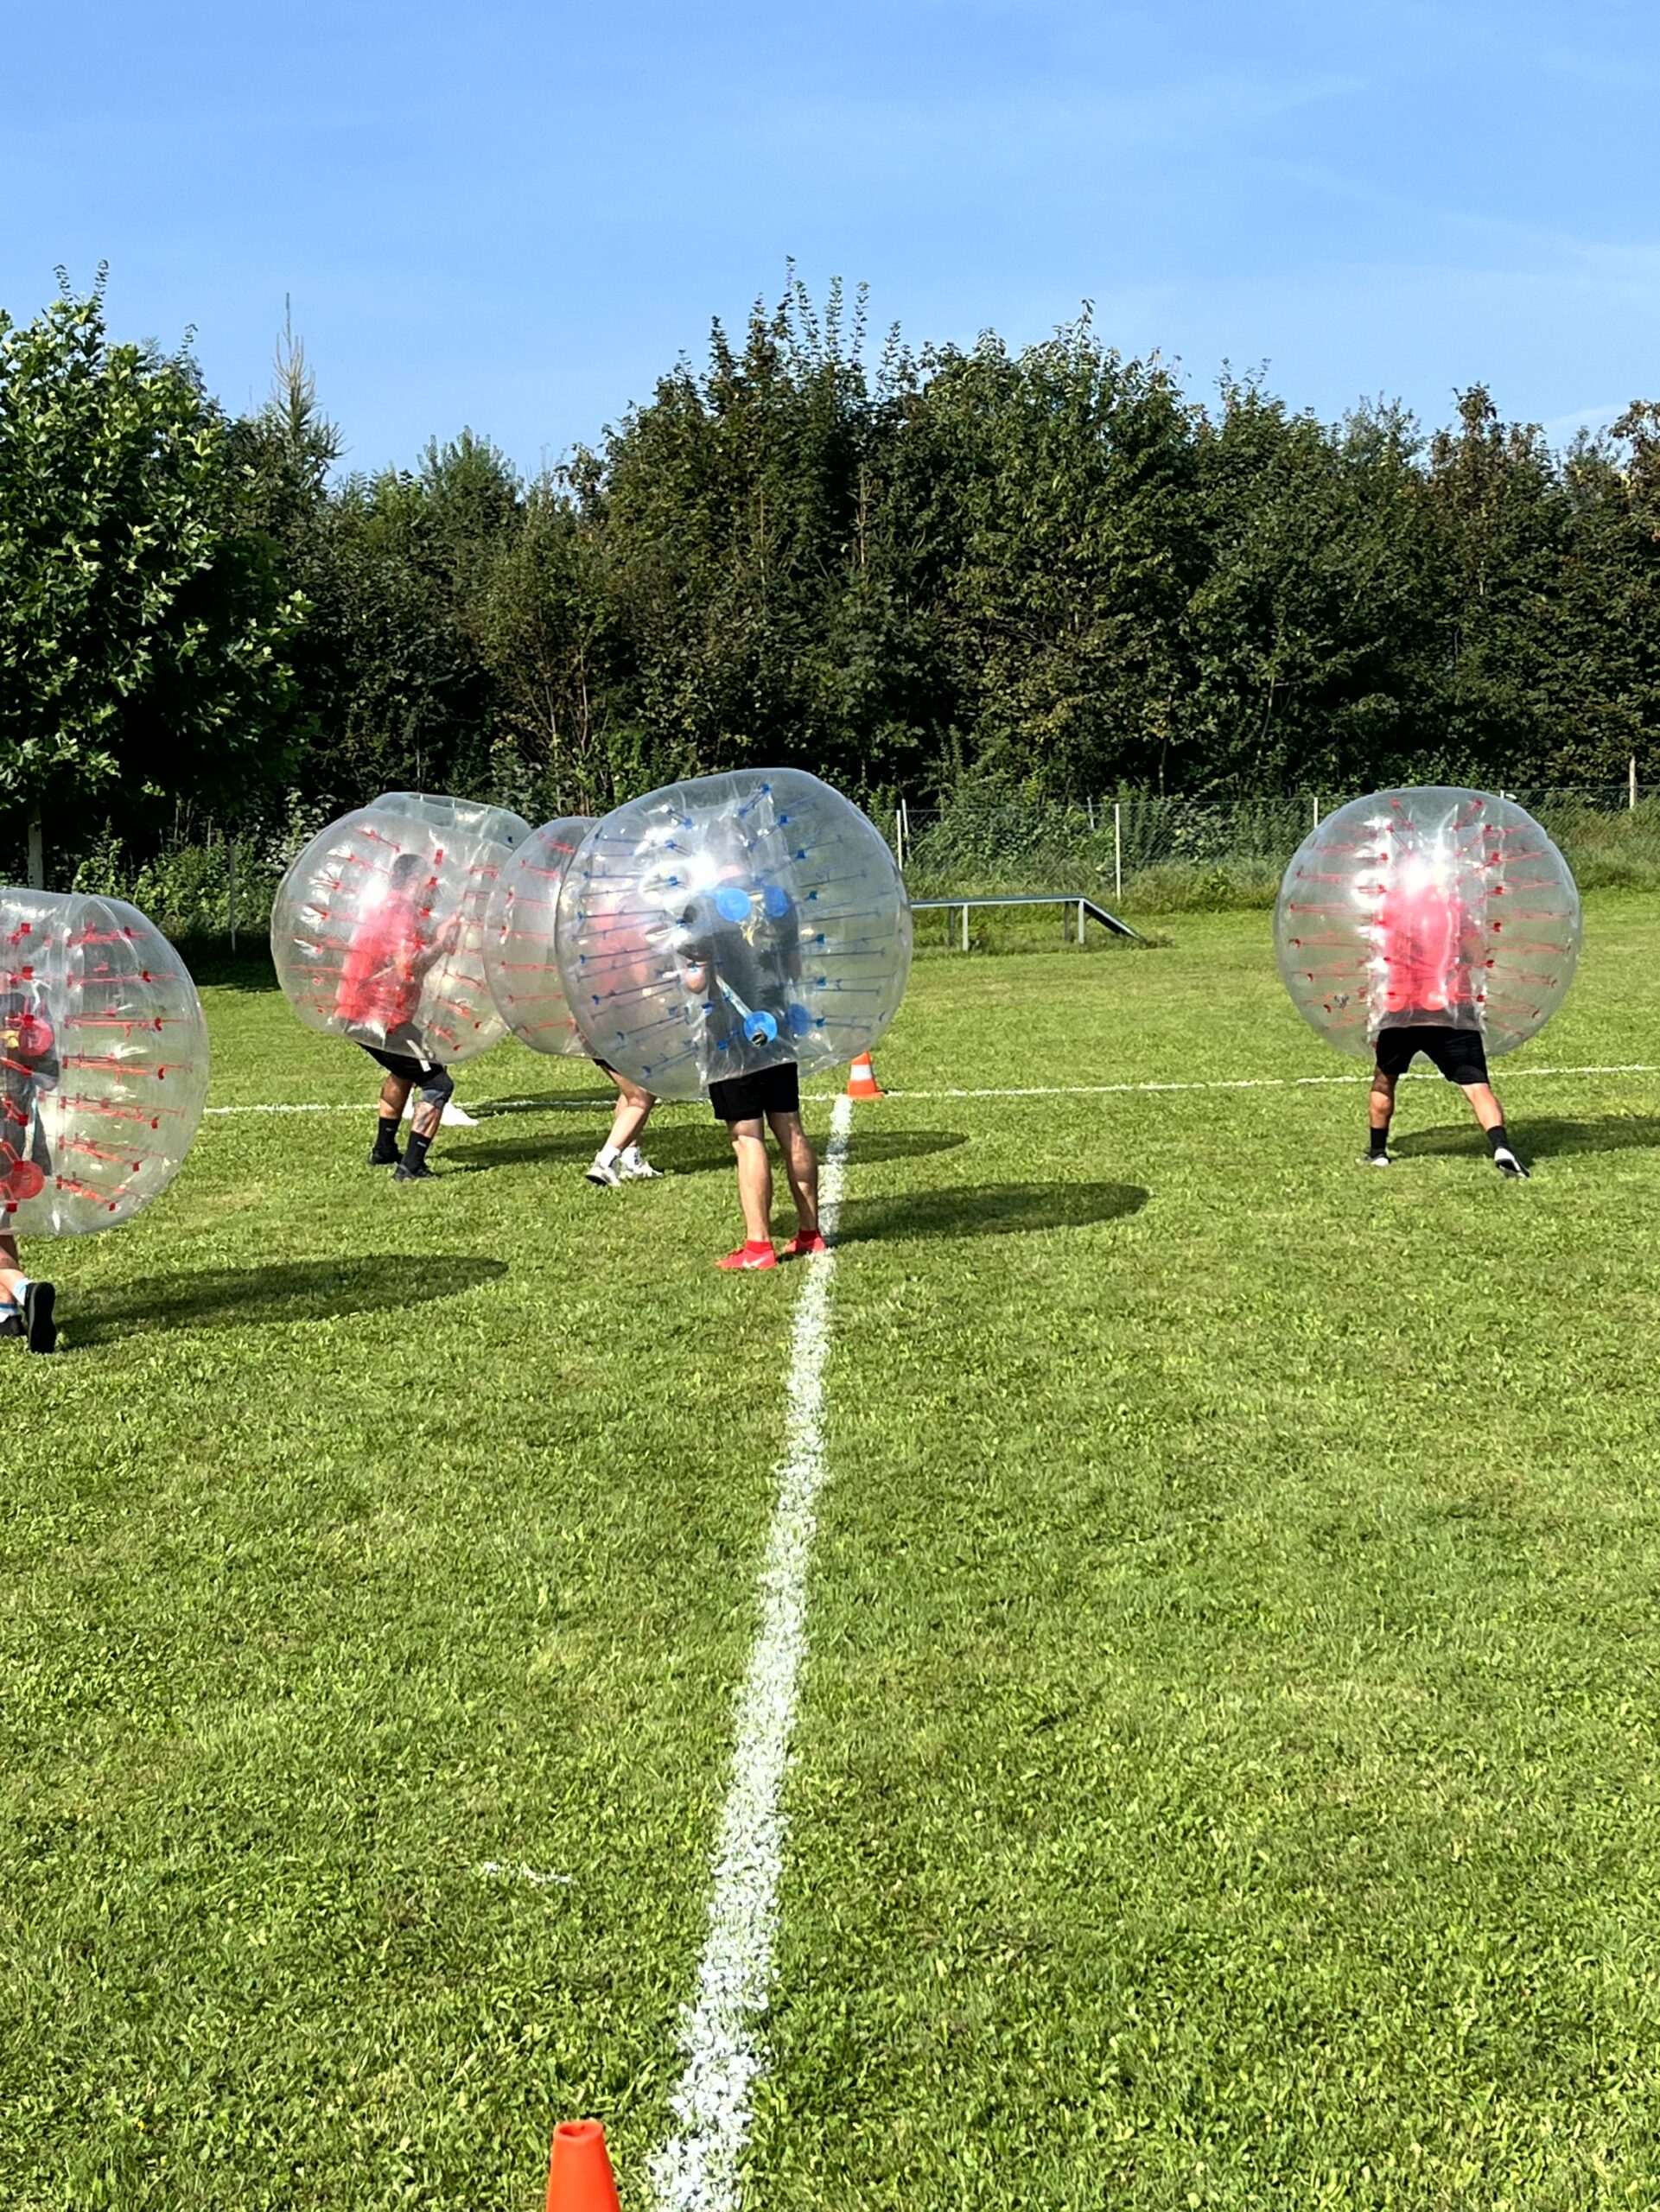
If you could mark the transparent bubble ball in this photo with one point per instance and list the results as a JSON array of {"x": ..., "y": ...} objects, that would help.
[
  {"x": 378, "y": 928},
  {"x": 731, "y": 924},
  {"x": 103, "y": 1062},
  {"x": 521, "y": 923},
  {"x": 1430, "y": 906}
]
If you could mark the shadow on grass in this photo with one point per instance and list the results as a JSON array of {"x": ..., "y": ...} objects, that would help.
[
  {"x": 557, "y": 1150},
  {"x": 986, "y": 1210},
  {"x": 694, "y": 1150},
  {"x": 291, "y": 1290},
  {"x": 1539, "y": 1139}
]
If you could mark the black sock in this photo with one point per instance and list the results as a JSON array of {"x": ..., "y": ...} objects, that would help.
[
  {"x": 414, "y": 1152},
  {"x": 1380, "y": 1142},
  {"x": 385, "y": 1139},
  {"x": 1498, "y": 1140}
]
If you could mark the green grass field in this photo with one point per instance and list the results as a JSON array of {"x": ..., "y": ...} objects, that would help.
[{"x": 1226, "y": 1770}]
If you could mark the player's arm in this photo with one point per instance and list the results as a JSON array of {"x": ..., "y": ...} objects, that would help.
[{"x": 426, "y": 954}]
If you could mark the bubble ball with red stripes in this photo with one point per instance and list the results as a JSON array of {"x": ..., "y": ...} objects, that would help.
[
  {"x": 378, "y": 928},
  {"x": 103, "y": 1063},
  {"x": 520, "y": 924},
  {"x": 1432, "y": 906},
  {"x": 731, "y": 924}
]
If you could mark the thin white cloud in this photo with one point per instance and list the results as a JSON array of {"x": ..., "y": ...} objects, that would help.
[
  {"x": 1562, "y": 430},
  {"x": 881, "y": 140}
]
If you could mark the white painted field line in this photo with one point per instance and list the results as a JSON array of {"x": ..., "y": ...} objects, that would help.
[
  {"x": 1508, "y": 1074},
  {"x": 356, "y": 1106},
  {"x": 599, "y": 1100},
  {"x": 697, "y": 2168}
]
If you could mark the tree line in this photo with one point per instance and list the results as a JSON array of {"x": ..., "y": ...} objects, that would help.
[{"x": 1041, "y": 573}]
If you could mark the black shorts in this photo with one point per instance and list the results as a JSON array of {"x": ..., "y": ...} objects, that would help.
[
  {"x": 405, "y": 1066},
  {"x": 1459, "y": 1054},
  {"x": 751, "y": 1097}
]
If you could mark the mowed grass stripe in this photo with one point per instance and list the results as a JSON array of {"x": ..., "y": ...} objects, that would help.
[{"x": 1229, "y": 1750}]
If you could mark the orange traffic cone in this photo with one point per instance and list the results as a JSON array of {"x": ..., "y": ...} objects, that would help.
[
  {"x": 862, "y": 1079},
  {"x": 579, "y": 2174}
]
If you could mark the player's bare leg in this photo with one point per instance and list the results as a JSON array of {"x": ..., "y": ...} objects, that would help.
[
  {"x": 27, "y": 1309},
  {"x": 619, "y": 1159},
  {"x": 1381, "y": 1113},
  {"x": 394, "y": 1094},
  {"x": 754, "y": 1180},
  {"x": 1483, "y": 1101},
  {"x": 801, "y": 1166},
  {"x": 436, "y": 1086}
]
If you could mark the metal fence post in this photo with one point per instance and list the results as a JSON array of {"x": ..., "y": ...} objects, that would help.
[
  {"x": 965, "y": 925},
  {"x": 230, "y": 881},
  {"x": 1634, "y": 784},
  {"x": 899, "y": 838},
  {"x": 1117, "y": 850},
  {"x": 1080, "y": 921},
  {"x": 1317, "y": 810}
]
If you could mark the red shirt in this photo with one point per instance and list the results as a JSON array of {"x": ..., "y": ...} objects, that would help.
[
  {"x": 380, "y": 980},
  {"x": 1420, "y": 931}
]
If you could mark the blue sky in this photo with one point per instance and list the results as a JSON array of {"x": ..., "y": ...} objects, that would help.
[{"x": 513, "y": 216}]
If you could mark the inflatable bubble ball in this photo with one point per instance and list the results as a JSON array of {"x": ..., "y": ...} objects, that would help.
[
  {"x": 378, "y": 928},
  {"x": 731, "y": 924},
  {"x": 103, "y": 1063},
  {"x": 1434, "y": 905},
  {"x": 520, "y": 965}
]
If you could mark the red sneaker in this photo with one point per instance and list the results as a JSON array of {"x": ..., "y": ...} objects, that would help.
[
  {"x": 750, "y": 1255},
  {"x": 802, "y": 1247}
]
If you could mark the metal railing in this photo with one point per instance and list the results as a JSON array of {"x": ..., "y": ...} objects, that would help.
[{"x": 1089, "y": 910}]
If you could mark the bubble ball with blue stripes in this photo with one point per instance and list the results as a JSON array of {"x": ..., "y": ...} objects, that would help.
[{"x": 730, "y": 924}]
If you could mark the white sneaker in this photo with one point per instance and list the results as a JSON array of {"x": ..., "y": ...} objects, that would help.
[
  {"x": 1509, "y": 1166},
  {"x": 604, "y": 1173},
  {"x": 632, "y": 1166},
  {"x": 453, "y": 1117},
  {"x": 1376, "y": 1159}
]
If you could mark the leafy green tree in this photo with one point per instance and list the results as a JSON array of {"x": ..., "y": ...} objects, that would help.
[
  {"x": 144, "y": 628},
  {"x": 756, "y": 609},
  {"x": 543, "y": 619},
  {"x": 1313, "y": 635},
  {"x": 1065, "y": 540}
]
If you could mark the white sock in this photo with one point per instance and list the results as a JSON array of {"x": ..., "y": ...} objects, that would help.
[{"x": 607, "y": 1153}]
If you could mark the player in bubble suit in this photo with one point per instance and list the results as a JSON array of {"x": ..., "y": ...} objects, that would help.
[
  {"x": 739, "y": 951},
  {"x": 380, "y": 989},
  {"x": 1429, "y": 947},
  {"x": 29, "y": 1067}
]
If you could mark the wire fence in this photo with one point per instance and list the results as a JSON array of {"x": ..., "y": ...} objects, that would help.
[
  {"x": 1137, "y": 854},
  {"x": 1152, "y": 854}
]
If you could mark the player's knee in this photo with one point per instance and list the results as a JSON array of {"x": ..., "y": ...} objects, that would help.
[{"x": 438, "y": 1089}]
